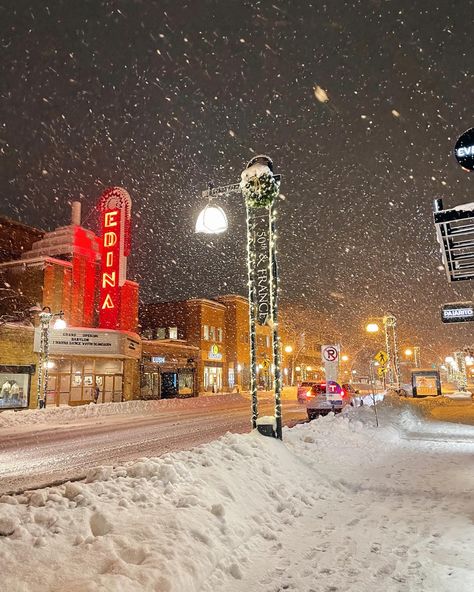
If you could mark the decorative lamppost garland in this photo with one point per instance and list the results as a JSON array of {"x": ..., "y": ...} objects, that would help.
[{"x": 260, "y": 190}]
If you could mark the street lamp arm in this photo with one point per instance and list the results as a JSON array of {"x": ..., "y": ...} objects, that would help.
[
  {"x": 224, "y": 190},
  {"x": 221, "y": 191}
]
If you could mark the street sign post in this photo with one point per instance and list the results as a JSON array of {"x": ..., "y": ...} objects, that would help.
[{"x": 330, "y": 356}]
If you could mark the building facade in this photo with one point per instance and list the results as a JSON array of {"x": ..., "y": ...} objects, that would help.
[
  {"x": 219, "y": 330},
  {"x": 61, "y": 270}
]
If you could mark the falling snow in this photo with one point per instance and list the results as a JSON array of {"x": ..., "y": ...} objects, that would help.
[{"x": 358, "y": 104}]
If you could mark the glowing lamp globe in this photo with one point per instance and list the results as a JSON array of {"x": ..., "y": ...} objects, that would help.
[
  {"x": 288, "y": 349},
  {"x": 211, "y": 220},
  {"x": 408, "y": 352},
  {"x": 372, "y": 328},
  {"x": 59, "y": 324},
  {"x": 345, "y": 358}
]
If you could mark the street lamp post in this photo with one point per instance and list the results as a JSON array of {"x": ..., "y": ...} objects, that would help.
[
  {"x": 391, "y": 345},
  {"x": 260, "y": 188},
  {"x": 45, "y": 318}
]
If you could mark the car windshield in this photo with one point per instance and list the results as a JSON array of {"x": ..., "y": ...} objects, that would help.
[{"x": 318, "y": 389}]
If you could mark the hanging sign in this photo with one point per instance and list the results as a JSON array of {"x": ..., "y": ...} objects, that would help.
[
  {"x": 464, "y": 150},
  {"x": 330, "y": 356},
  {"x": 263, "y": 272},
  {"x": 115, "y": 206},
  {"x": 458, "y": 312}
]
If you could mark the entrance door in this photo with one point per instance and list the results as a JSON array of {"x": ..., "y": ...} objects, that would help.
[{"x": 169, "y": 385}]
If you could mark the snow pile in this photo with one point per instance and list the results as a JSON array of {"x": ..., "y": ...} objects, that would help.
[
  {"x": 66, "y": 413},
  {"x": 339, "y": 505}
]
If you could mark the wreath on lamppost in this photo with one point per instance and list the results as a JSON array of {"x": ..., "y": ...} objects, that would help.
[{"x": 261, "y": 190}]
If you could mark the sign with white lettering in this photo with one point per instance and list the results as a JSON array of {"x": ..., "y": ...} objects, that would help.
[
  {"x": 90, "y": 342},
  {"x": 158, "y": 359},
  {"x": 464, "y": 150},
  {"x": 263, "y": 272},
  {"x": 460, "y": 312}
]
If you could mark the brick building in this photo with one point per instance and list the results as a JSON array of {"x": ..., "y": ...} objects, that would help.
[
  {"x": 219, "y": 329},
  {"x": 60, "y": 270}
]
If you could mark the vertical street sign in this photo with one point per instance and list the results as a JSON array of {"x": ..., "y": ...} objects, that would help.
[{"x": 330, "y": 357}]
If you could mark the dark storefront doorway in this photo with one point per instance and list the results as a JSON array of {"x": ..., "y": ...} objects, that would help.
[{"x": 169, "y": 385}]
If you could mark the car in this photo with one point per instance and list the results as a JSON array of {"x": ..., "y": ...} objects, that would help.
[
  {"x": 318, "y": 402},
  {"x": 309, "y": 389}
]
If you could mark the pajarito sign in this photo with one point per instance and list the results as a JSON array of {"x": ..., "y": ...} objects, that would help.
[
  {"x": 459, "y": 312},
  {"x": 91, "y": 342}
]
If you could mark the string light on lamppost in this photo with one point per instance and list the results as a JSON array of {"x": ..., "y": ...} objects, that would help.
[
  {"x": 260, "y": 189},
  {"x": 45, "y": 317}
]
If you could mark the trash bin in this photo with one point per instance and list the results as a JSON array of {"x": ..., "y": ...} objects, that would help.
[{"x": 267, "y": 426}]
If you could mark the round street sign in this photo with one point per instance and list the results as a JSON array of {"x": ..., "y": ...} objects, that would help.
[
  {"x": 464, "y": 150},
  {"x": 330, "y": 353}
]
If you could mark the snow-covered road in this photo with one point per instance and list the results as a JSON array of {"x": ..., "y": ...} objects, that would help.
[{"x": 61, "y": 447}]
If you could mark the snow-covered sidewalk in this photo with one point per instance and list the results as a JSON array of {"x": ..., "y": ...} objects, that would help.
[{"x": 339, "y": 505}]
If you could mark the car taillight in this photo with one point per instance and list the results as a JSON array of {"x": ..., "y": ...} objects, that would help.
[{"x": 308, "y": 394}]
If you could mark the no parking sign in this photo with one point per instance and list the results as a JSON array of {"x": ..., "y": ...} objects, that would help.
[{"x": 330, "y": 356}]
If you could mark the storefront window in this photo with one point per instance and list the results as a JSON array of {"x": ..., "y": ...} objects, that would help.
[
  {"x": 161, "y": 333},
  {"x": 205, "y": 332},
  {"x": 219, "y": 335},
  {"x": 212, "y": 333},
  {"x": 14, "y": 387},
  {"x": 186, "y": 380},
  {"x": 173, "y": 332}
]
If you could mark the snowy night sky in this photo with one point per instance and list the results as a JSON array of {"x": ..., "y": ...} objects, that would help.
[{"x": 161, "y": 97}]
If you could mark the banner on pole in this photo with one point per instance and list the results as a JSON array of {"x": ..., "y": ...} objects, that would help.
[{"x": 263, "y": 272}]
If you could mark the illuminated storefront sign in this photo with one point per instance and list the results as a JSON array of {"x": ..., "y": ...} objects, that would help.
[
  {"x": 158, "y": 359},
  {"x": 214, "y": 353},
  {"x": 115, "y": 207},
  {"x": 457, "y": 313}
]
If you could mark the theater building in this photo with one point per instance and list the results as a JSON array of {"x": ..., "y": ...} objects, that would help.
[
  {"x": 71, "y": 270},
  {"x": 219, "y": 330}
]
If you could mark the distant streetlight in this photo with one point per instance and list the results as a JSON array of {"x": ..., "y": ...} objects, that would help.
[
  {"x": 408, "y": 352},
  {"x": 288, "y": 349},
  {"x": 391, "y": 346},
  {"x": 345, "y": 358}
]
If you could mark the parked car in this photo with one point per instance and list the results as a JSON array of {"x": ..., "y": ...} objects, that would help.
[
  {"x": 310, "y": 389},
  {"x": 318, "y": 403}
]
